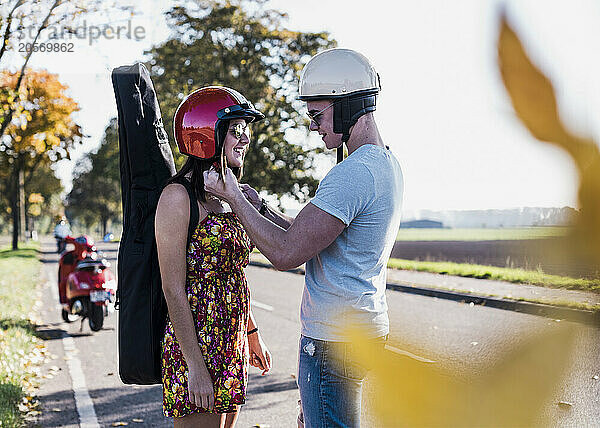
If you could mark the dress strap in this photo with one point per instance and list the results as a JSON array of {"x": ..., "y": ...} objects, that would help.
[{"x": 204, "y": 206}]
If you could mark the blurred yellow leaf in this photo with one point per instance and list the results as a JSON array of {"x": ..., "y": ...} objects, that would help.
[
  {"x": 530, "y": 91},
  {"x": 512, "y": 391},
  {"x": 534, "y": 101}
]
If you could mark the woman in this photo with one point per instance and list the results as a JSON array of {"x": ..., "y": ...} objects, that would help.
[{"x": 210, "y": 328}]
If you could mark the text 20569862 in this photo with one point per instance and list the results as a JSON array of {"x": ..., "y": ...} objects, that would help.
[{"x": 46, "y": 47}]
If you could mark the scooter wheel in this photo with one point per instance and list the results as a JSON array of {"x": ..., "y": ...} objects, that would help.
[{"x": 96, "y": 317}]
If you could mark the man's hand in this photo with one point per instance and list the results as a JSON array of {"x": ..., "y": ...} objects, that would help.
[{"x": 228, "y": 189}]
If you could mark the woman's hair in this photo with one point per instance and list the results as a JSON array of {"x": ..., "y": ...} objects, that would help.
[{"x": 197, "y": 166}]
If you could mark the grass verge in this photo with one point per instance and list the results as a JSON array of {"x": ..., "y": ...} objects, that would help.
[
  {"x": 518, "y": 276},
  {"x": 20, "y": 350}
]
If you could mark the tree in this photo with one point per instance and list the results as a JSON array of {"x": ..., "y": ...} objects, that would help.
[
  {"x": 42, "y": 192},
  {"x": 241, "y": 45},
  {"x": 41, "y": 181},
  {"x": 43, "y": 133},
  {"x": 96, "y": 194},
  {"x": 33, "y": 18}
]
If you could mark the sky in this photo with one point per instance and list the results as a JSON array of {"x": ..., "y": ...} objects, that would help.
[{"x": 443, "y": 109}]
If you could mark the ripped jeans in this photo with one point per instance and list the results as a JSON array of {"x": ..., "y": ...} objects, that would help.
[{"x": 330, "y": 382}]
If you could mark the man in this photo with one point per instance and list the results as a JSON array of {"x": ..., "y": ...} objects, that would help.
[
  {"x": 344, "y": 235},
  {"x": 61, "y": 231}
]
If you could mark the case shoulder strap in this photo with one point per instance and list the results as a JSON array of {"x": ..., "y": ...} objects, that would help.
[{"x": 194, "y": 211}]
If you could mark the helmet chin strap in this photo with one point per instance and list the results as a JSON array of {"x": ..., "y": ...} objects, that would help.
[
  {"x": 223, "y": 164},
  {"x": 340, "y": 153},
  {"x": 346, "y": 112},
  {"x": 340, "y": 149}
]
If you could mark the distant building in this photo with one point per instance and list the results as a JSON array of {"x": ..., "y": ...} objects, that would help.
[
  {"x": 421, "y": 224},
  {"x": 496, "y": 218}
]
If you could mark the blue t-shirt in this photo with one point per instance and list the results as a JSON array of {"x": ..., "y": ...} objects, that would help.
[{"x": 345, "y": 283}]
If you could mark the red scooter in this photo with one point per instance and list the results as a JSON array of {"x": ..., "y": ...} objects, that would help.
[{"x": 85, "y": 284}]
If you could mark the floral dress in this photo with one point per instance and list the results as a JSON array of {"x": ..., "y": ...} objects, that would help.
[{"x": 219, "y": 300}]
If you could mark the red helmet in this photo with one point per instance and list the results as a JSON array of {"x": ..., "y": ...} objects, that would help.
[{"x": 197, "y": 119}]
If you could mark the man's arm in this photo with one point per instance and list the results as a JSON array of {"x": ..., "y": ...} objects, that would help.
[{"x": 311, "y": 231}]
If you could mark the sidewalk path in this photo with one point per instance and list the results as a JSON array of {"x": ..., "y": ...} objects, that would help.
[{"x": 486, "y": 287}]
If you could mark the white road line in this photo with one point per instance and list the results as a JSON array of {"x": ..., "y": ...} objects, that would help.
[
  {"x": 83, "y": 401},
  {"x": 408, "y": 354},
  {"x": 262, "y": 305}
]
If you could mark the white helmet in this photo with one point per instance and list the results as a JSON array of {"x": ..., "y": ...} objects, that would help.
[
  {"x": 345, "y": 77},
  {"x": 336, "y": 73}
]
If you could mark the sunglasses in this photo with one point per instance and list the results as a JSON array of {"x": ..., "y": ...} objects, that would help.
[
  {"x": 238, "y": 130},
  {"x": 315, "y": 116}
]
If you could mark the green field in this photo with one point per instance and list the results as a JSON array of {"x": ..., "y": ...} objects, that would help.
[{"x": 520, "y": 233}]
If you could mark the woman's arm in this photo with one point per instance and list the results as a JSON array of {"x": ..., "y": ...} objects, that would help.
[
  {"x": 171, "y": 241},
  {"x": 277, "y": 217},
  {"x": 251, "y": 323},
  {"x": 260, "y": 356},
  {"x": 261, "y": 206}
]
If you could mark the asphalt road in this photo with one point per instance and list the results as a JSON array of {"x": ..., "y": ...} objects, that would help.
[{"x": 463, "y": 338}]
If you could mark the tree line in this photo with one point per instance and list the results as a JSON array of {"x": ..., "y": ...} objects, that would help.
[{"x": 240, "y": 44}]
